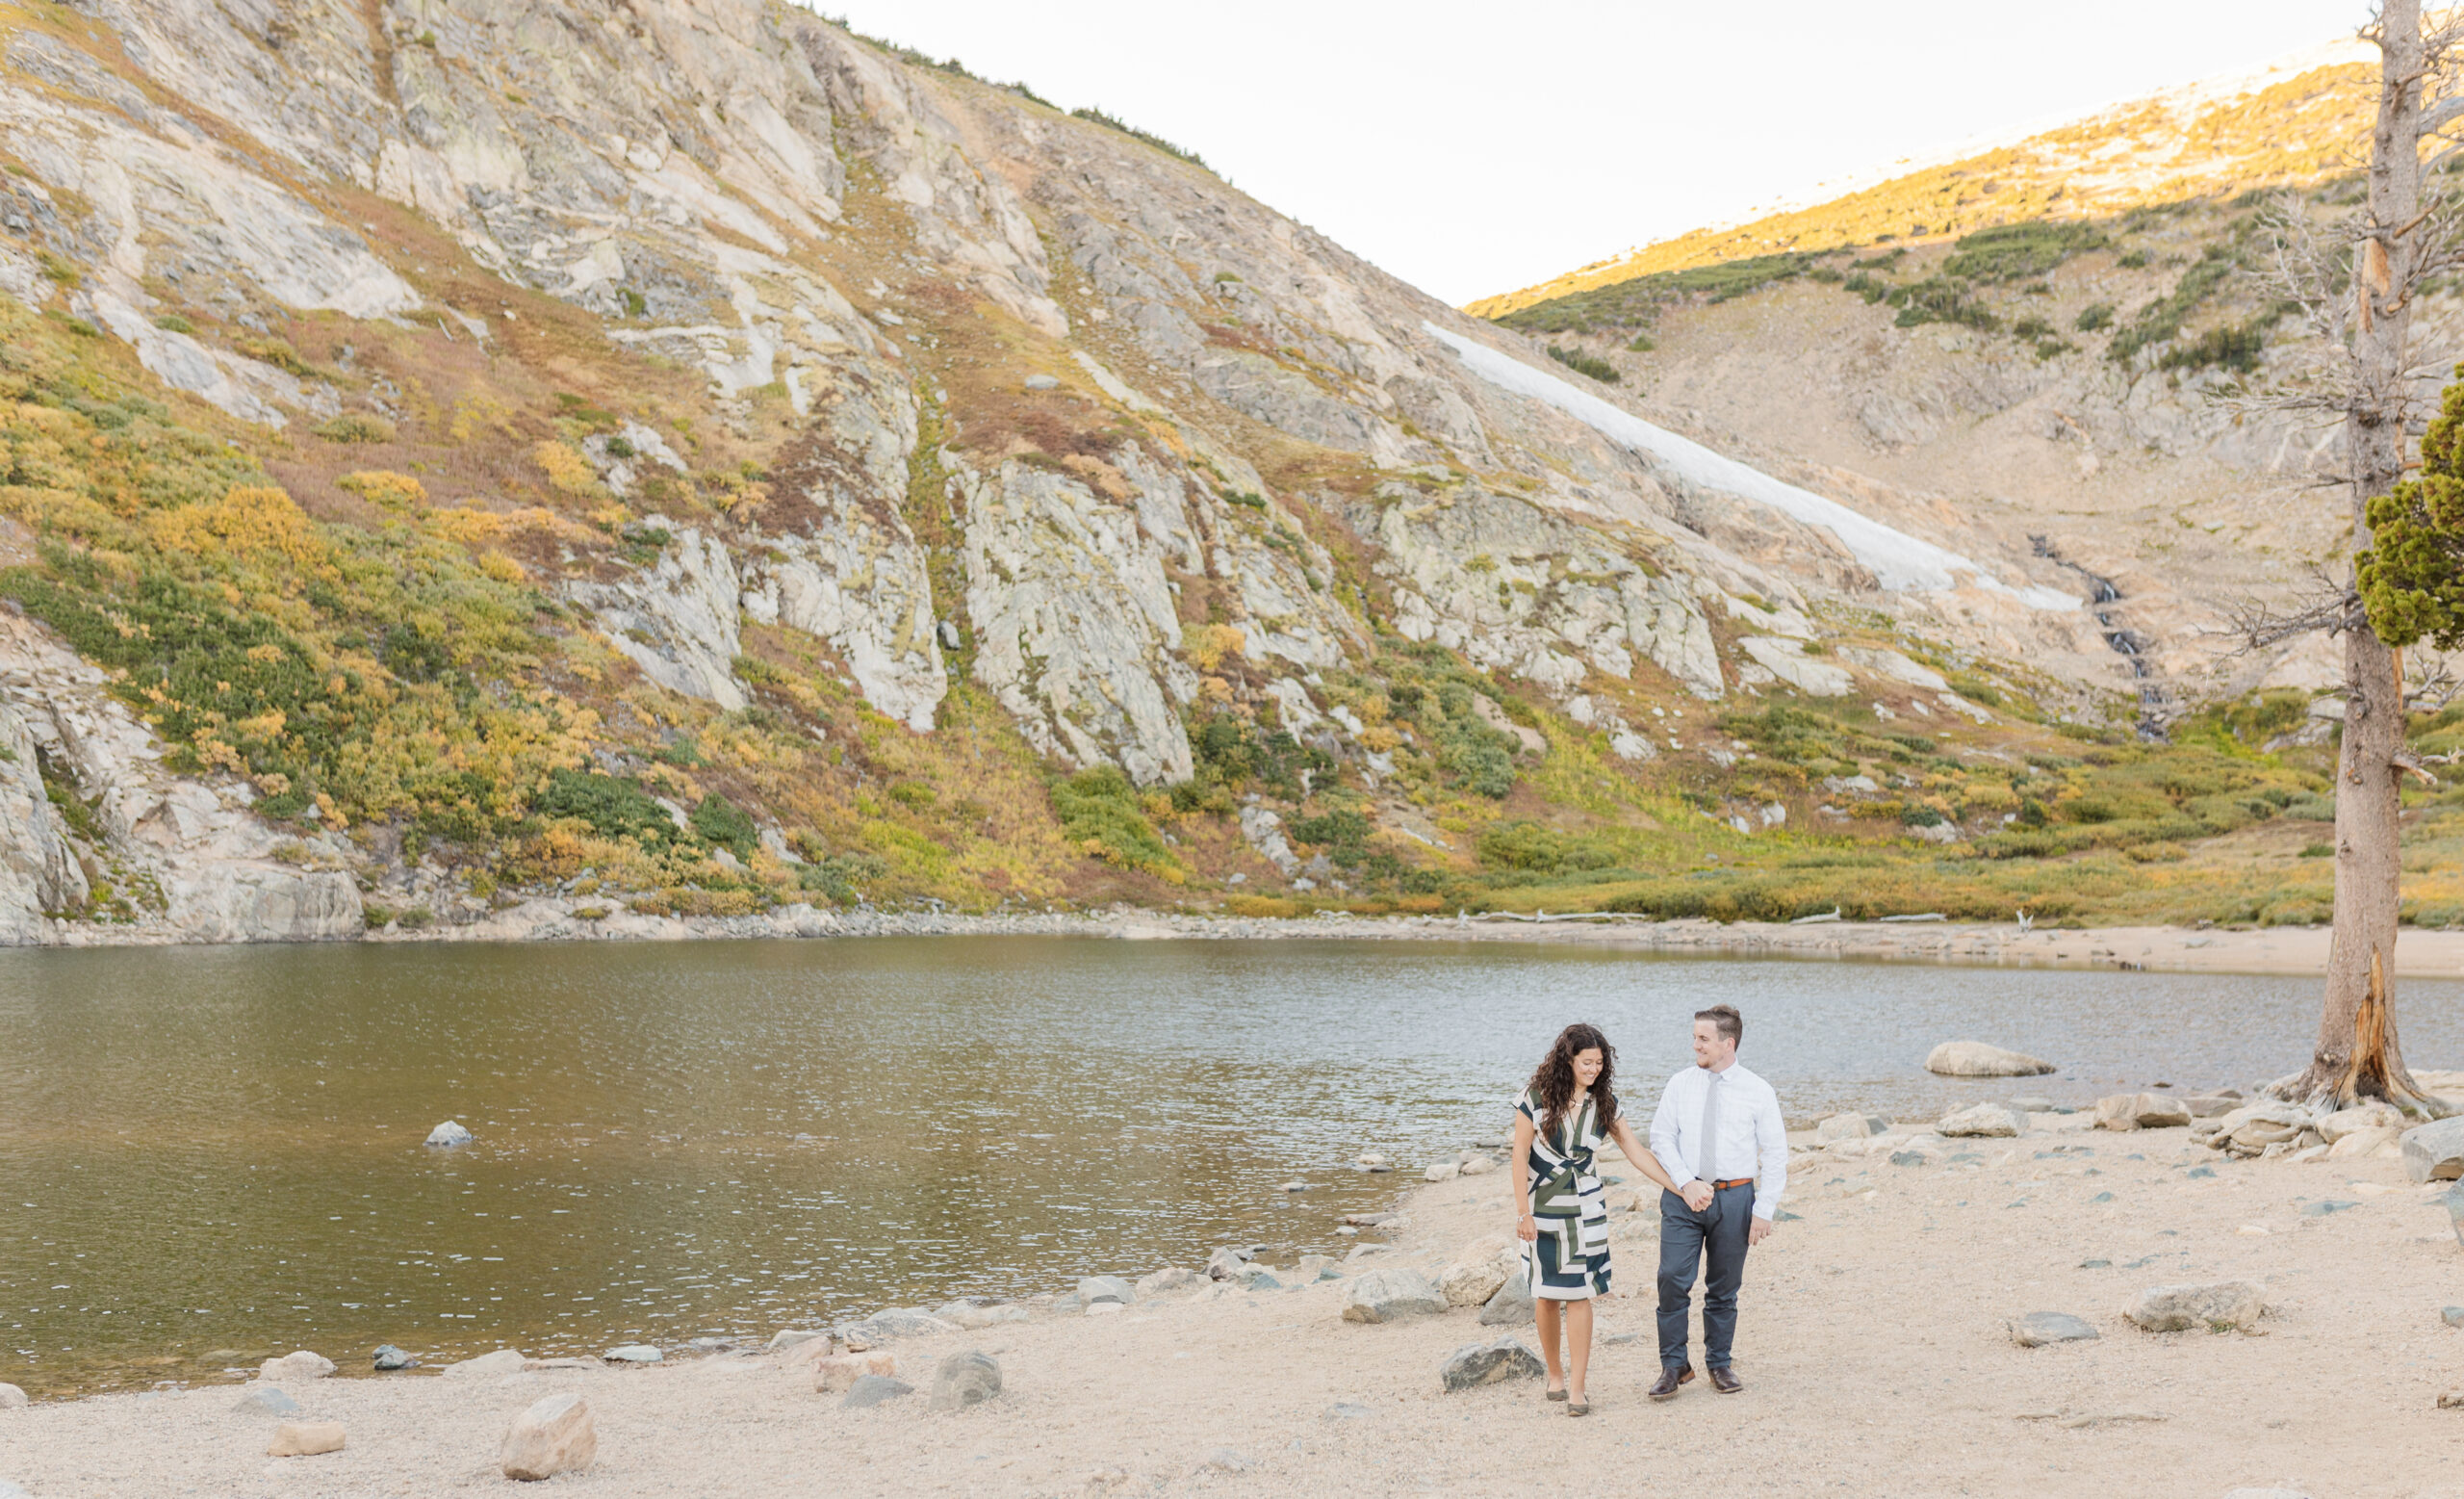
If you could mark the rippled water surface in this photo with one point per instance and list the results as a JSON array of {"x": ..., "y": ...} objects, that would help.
[{"x": 207, "y": 1153}]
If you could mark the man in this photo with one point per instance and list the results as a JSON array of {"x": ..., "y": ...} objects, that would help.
[{"x": 1719, "y": 1134}]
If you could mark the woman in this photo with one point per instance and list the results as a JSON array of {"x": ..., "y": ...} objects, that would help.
[{"x": 1560, "y": 1120}]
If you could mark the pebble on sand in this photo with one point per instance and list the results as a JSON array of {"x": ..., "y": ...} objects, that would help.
[
  {"x": 871, "y": 1389},
  {"x": 301, "y": 1365},
  {"x": 305, "y": 1439},
  {"x": 448, "y": 1134},
  {"x": 1489, "y": 1363},
  {"x": 1976, "y": 1059},
  {"x": 832, "y": 1373},
  {"x": 265, "y": 1400},
  {"x": 2222, "y": 1305},
  {"x": 555, "y": 1435},
  {"x": 2038, "y": 1328},
  {"x": 963, "y": 1379},
  {"x": 2452, "y": 1316},
  {"x": 1990, "y": 1120}
]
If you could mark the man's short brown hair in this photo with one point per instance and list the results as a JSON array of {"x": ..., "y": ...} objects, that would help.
[{"x": 1725, "y": 1018}]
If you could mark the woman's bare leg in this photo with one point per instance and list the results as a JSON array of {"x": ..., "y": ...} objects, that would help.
[
  {"x": 1545, "y": 1314},
  {"x": 1578, "y": 1346}
]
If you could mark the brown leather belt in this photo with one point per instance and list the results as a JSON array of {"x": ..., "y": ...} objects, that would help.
[{"x": 1733, "y": 1181}]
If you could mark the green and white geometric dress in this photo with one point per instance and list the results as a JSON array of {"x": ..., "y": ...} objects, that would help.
[{"x": 1569, "y": 1261}]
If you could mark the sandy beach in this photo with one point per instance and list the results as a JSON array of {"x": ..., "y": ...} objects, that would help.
[{"x": 1874, "y": 1343}]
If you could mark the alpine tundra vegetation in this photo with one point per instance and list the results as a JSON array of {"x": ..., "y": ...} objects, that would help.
[{"x": 698, "y": 459}]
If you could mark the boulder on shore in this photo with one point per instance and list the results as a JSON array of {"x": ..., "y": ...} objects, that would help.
[
  {"x": 1483, "y": 1266},
  {"x": 834, "y": 1373},
  {"x": 2140, "y": 1111},
  {"x": 1390, "y": 1296},
  {"x": 1848, "y": 1126},
  {"x": 1511, "y": 1306},
  {"x": 555, "y": 1435},
  {"x": 1172, "y": 1278},
  {"x": 2376, "y": 1114},
  {"x": 1976, "y": 1059},
  {"x": 2221, "y": 1305},
  {"x": 1489, "y": 1363},
  {"x": 305, "y": 1439},
  {"x": 504, "y": 1361},
  {"x": 1988, "y": 1121},
  {"x": 1226, "y": 1263},
  {"x": 1105, "y": 1289},
  {"x": 871, "y": 1389},
  {"x": 963, "y": 1379},
  {"x": 2434, "y": 1152},
  {"x": 2038, "y": 1328}
]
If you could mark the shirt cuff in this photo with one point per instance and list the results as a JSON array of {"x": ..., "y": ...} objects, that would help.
[{"x": 1764, "y": 1210}]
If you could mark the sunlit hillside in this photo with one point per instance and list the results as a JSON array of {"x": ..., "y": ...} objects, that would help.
[{"x": 2202, "y": 142}]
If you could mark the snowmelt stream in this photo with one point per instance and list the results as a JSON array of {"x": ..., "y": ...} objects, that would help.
[{"x": 1897, "y": 559}]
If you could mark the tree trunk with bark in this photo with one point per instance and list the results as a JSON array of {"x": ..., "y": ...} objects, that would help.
[{"x": 2357, "y": 1056}]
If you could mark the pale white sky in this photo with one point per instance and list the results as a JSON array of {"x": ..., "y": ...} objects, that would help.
[{"x": 1476, "y": 149}]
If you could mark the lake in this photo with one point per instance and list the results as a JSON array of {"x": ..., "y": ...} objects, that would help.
[{"x": 212, "y": 1155}]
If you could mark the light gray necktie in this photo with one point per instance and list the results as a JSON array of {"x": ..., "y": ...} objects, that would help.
[{"x": 1706, "y": 1158}]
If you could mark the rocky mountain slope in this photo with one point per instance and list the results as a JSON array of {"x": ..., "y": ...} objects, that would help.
[{"x": 691, "y": 457}]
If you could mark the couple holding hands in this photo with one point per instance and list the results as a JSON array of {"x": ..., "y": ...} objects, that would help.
[{"x": 1719, "y": 1154}]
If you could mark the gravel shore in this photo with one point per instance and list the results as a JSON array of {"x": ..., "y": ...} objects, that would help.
[{"x": 1876, "y": 1347}]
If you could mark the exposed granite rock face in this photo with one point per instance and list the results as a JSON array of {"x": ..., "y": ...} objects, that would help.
[
  {"x": 37, "y": 872},
  {"x": 677, "y": 619},
  {"x": 835, "y": 557},
  {"x": 1074, "y": 621},
  {"x": 195, "y": 865},
  {"x": 1535, "y": 593}
]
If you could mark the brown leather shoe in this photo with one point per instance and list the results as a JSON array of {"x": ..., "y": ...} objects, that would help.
[
  {"x": 1685, "y": 1376},
  {"x": 1669, "y": 1380},
  {"x": 1725, "y": 1382}
]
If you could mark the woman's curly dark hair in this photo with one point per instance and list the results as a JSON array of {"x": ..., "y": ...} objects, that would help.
[{"x": 1553, "y": 1080}]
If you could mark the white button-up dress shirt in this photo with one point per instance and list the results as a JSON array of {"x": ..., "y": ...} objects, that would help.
[{"x": 1752, "y": 1138}]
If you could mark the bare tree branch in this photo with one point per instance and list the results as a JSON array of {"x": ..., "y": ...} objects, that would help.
[{"x": 2331, "y": 607}]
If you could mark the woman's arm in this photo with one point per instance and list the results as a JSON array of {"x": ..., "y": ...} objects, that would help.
[
  {"x": 1524, "y": 1227},
  {"x": 1643, "y": 1159}
]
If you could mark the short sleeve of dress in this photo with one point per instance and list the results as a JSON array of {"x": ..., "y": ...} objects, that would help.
[{"x": 1527, "y": 1106}]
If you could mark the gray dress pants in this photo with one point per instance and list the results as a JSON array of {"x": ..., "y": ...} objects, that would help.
[{"x": 1688, "y": 1241}]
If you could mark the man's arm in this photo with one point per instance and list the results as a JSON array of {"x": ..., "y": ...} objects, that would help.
[
  {"x": 1664, "y": 1139},
  {"x": 1771, "y": 1150}
]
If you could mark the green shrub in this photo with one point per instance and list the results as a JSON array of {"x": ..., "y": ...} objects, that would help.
[
  {"x": 355, "y": 427},
  {"x": 2236, "y": 347},
  {"x": 613, "y": 807},
  {"x": 1536, "y": 848},
  {"x": 1109, "y": 122},
  {"x": 1099, "y": 813},
  {"x": 2019, "y": 251},
  {"x": 1581, "y": 363},
  {"x": 2094, "y": 316},
  {"x": 722, "y": 824},
  {"x": 1640, "y": 344},
  {"x": 1629, "y": 303},
  {"x": 2160, "y": 321}
]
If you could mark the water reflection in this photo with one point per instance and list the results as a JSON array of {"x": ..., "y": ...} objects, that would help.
[{"x": 216, "y": 1151}]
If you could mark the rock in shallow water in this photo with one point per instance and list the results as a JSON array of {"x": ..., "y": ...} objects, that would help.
[
  {"x": 1976, "y": 1059},
  {"x": 1226, "y": 1263},
  {"x": 963, "y": 1379},
  {"x": 388, "y": 1357},
  {"x": 447, "y": 1134},
  {"x": 1489, "y": 1363},
  {"x": 2038, "y": 1328},
  {"x": 301, "y": 1365},
  {"x": 633, "y": 1353},
  {"x": 555, "y": 1435}
]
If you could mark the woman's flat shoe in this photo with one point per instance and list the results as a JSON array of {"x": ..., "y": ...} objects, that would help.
[
  {"x": 1578, "y": 1408},
  {"x": 1556, "y": 1394}
]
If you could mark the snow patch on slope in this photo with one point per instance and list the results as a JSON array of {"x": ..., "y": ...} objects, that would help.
[{"x": 1896, "y": 558}]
